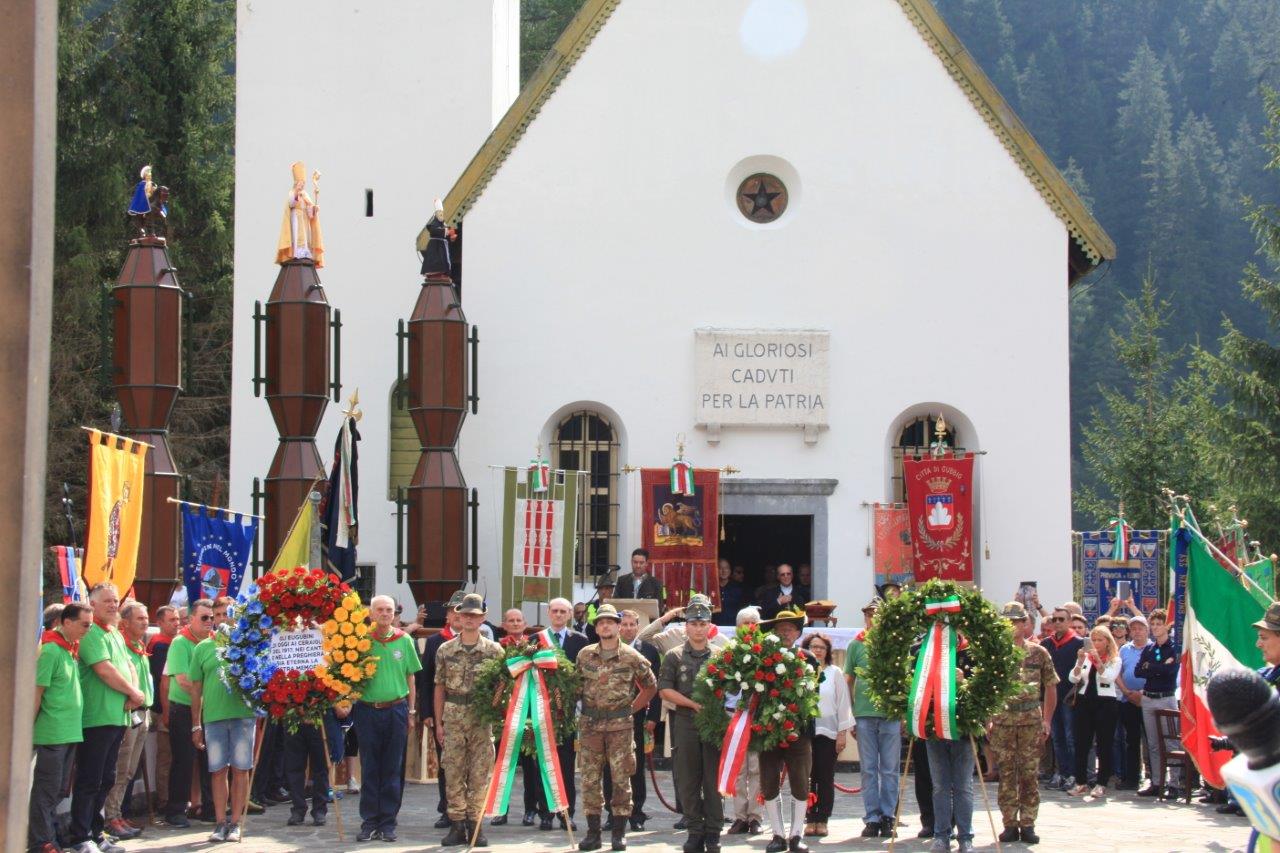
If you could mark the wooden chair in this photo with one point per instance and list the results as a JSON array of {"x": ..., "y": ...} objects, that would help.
[{"x": 1169, "y": 731}]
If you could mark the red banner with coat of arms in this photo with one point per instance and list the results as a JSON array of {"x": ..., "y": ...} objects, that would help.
[{"x": 940, "y": 504}]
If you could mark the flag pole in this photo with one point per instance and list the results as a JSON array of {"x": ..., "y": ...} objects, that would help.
[
  {"x": 215, "y": 508},
  {"x": 313, "y": 499},
  {"x": 1240, "y": 574}
]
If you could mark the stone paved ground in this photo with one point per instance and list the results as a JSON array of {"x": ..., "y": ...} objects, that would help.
[{"x": 1122, "y": 823}]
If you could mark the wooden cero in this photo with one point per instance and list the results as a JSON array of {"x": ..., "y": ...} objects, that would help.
[{"x": 147, "y": 376}]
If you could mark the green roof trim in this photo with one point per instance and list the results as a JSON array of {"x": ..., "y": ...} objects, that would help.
[{"x": 1090, "y": 244}]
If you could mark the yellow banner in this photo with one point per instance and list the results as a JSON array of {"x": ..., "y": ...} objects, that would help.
[
  {"x": 116, "y": 468},
  {"x": 296, "y": 549}
]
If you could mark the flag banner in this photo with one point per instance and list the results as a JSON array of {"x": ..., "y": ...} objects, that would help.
[
  {"x": 215, "y": 550},
  {"x": 339, "y": 519},
  {"x": 69, "y": 560},
  {"x": 1219, "y": 617},
  {"x": 891, "y": 544},
  {"x": 940, "y": 504},
  {"x": 1263, "y": 573},
  {"x": 1101, "y": 570},
  {"x": 539, "y": 475},
  {"x": 681, "y": 533},
  {"x": 295, "y": 550},
  {"x": 539, "y": 534},
  {"x": 116, "y": 468}
]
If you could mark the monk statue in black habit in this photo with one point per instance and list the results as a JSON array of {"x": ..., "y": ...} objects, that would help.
[{"x": 436, "y": 258}]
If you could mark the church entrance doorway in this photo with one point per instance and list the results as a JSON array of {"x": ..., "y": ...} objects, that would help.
[{"x": 758, "y": 543}]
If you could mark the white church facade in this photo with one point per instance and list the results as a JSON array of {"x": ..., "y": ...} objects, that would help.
[{"x": 794, "y": 233}]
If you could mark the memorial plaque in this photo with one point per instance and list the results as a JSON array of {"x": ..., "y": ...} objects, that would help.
[{"x": 762, "y": 377}]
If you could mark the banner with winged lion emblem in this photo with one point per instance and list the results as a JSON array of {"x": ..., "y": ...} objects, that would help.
[{"x": 940, "y": 503}]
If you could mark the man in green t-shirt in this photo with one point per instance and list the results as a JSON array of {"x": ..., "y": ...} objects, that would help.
[
  {"x": 59, "y": 704},
  {"x": 109, "y": 686},
  {"x": 879, "y": 741},
  {"x": 382, "y": 723},
  {"x": 175, "y": 713},
  {"x": 133, "y": 627},
  {"x": 225, "y": 731}
]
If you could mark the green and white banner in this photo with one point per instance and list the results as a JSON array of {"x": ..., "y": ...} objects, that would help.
[{"x": 539, "y": 536}]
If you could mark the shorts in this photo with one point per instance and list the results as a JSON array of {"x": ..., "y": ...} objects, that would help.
[{"x": 229, "y": 742}]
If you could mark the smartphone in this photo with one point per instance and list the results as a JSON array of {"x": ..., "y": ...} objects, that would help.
[
  {"x": 1026, "y": 591},
  {"x": 1124, "y": 590}
]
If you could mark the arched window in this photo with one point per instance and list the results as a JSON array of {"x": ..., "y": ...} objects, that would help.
[
  {"x": 915, "y": 441},
  {"x": 585, "y": 441}
]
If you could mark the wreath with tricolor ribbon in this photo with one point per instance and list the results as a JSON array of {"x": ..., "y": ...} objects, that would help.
[
  {"x": 944, "y": 619},
  {"x": 296, "y": 599},
  {"x": 756, "y": 695}
]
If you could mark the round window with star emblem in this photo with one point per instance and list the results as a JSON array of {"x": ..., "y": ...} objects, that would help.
[{"x": 762, "y": 197}]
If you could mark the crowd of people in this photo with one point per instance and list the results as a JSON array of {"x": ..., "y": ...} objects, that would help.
[{"x": 108, "y": 673}]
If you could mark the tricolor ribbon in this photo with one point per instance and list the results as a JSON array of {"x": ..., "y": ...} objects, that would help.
[
  {"x": 1121, "y": 551},
  {"x": 539, "y": 476},
  {"x": 934, "y": 685},
  {"x": 734, "y": 749},
  {"x": 682, "y": 478},
  {"x": 529, "y": 702}
]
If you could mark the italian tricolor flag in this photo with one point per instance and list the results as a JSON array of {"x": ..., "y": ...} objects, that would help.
[{"x": 1218, "y": 634}]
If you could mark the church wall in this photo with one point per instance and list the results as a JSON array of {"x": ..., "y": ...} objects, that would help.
[
  {"x": 393, "y": 96},
  {"x": 608, "y": 236}
]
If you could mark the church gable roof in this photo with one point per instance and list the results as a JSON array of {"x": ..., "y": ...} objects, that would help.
[{"x": 1090, "y": 244}]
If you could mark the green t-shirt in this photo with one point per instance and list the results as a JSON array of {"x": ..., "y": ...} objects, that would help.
[
  {"x": 855, "y": 656},
  {"x": 62, "y": 703},
  {"x": 142, "y": 669},
  {"x": 102, "y": 705},
  {"x": 217, "y": 702},
  {"x": 397, "y": 660},
  {"x": 178, "y": 661}
]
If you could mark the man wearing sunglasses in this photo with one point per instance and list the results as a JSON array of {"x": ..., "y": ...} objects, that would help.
[
  {"x": 176, "y": 710},
  {"x": 1063, "y": 646}
]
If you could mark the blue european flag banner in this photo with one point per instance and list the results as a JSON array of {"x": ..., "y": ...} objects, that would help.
[{"x": 215, "y": 550}]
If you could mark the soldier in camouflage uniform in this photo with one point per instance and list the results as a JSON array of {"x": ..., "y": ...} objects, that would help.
[
  {"x": 468, "y": 745},
  {"x": 1017, "y": 734},
  {"x": 616, "y": 683},
  {"x": 696, "y": 761}
]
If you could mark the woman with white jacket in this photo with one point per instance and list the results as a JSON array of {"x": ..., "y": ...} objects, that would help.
[
  {"x": 1095, "y": 673},
  {"x": 830, "y": 733}
]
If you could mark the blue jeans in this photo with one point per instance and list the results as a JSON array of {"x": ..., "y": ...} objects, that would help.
[
  {"x": 1064, "y": 752},
  {"x": 879, "y": 752},
  {"x": 383, "y": 733},
  {"x": 951, "y": 764}
]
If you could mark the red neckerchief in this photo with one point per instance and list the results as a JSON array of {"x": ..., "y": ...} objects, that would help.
[
  {"x": 396, "y": 634},
  {"x": 512, "y": 639},
  {"x": 57, "y": 639},
  {"x": 191, "y": 638},
  {"x": 157, "y": 640},
  {"x": 1067, "y": 637},
  {"x": 140, "y": 650},
  {"x": 862, "y": 635},
  {"x": 447, "y": 633},
  {"x": 103, "y": 625}
]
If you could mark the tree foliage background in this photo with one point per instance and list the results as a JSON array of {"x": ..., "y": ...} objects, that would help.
[{"x": 1154, "y": 109}]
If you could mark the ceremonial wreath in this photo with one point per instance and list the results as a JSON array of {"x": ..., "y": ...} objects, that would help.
[
  {"x": 322, "y": 612},
  {"x": 561, "y": 682},
  {"x": 944, "y": 619}
]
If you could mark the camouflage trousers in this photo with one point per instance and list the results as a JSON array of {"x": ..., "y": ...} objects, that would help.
[
  {"x": 618, "y": 748},
  {"x": 467, "y": 761},
  {"x": 1017, "y": 750}
]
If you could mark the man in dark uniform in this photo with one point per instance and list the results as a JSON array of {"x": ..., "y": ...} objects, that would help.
[
  {"x": 426, "y": 685},
  {"x": 639, "y": 584},
  {"x": 696, "y": 762}
]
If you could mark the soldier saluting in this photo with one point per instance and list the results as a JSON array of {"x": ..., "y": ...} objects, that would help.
[
  {"x": 468, "y": 744},
  {"x": 1018, "y": 732},
  {"x": 696, "y": 762},
  {"x": 617, "y": 682}
]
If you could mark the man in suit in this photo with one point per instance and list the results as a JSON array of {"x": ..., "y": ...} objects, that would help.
[
  {"x": 733, "y": 597},
  {"x": 786, "y": 594},
  {"x": 644, "y": 721},
  {"x": 426, "y": 686},
  {"x": 559, "y": 612},
  {"x": 639, "y": 584}
]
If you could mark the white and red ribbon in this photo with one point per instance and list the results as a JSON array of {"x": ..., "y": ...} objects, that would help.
[{"x": 734, "y": 749}]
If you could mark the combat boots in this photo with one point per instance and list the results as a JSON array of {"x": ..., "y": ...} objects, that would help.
[
  {"x": 591, "y": 841},
  {"x": 694, "y": 843},
  {"x": 711, "y": 842},
  {"x": 481, "y": 841},
  {"x": 457, "y": 835},
  {"x": 618, "y": 841}
]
